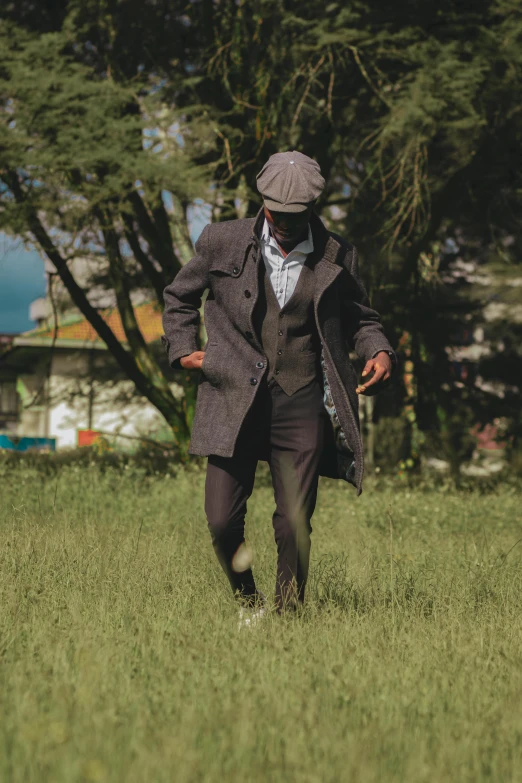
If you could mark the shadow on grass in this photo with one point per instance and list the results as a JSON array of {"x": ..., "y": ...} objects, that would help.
[
  {"x": 412, "y": 592},
  {"x": 332, "y": 586}
]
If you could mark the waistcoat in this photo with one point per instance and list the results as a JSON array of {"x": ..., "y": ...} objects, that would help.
[{"x": 288, "y": 334}]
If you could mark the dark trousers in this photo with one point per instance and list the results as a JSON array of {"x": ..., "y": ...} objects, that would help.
[{"x": 287, "y": 431}]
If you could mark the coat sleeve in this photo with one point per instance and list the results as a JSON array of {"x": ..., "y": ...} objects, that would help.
[
  {"x": 362, "y": 324},
  {"x": 182, "y": 300}
]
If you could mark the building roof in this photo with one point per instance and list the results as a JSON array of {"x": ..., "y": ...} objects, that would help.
[{"x": 75, "y": 329}]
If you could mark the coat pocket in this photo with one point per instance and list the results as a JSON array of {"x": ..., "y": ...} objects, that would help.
[
  {"x": 208, "y": 367},
  {"x": 231, "y": 266}
]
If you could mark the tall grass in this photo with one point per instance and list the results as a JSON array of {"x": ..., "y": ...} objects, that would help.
[{"x": 120, "y": 658}]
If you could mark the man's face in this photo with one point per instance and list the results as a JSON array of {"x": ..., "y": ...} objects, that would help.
[{"x": 288, "y": 228}]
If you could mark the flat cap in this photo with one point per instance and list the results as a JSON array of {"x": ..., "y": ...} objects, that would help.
[{"x": 290, "y": 181}]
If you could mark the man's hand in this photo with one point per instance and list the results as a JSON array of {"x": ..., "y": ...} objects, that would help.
[
  {"x": 381, "y": 366},
  {"x": 193, "y": 361}
]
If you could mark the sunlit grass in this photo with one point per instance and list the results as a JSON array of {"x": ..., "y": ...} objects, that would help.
[{"x": 121, "y": 659}]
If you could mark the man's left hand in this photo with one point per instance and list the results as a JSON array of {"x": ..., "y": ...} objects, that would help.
[{"x": 381, "y": 365}]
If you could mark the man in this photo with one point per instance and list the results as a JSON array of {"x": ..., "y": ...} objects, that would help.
[{"x": 284, "y": 307}]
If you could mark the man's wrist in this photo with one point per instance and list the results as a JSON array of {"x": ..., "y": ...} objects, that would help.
[{"x": 390, "y": 353}]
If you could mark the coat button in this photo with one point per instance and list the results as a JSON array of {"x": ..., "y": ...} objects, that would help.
[
  {"x": 253, "y": 381},
  {"x": 248, "y": 294},
  {"x": 279, "y": 353},
  {"x": 235, "y": 270},
  {"x": 260, "y": 365}
]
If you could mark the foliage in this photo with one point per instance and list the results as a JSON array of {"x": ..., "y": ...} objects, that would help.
[
  {"x": 145, "y": 460},
  {"x": 89, "y": 155},
  {"x": 415, "y": 118},
  {"x": 413, "y": 114},
  {"x": 391, "y": 442}
]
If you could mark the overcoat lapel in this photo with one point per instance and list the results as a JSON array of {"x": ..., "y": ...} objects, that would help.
[{"x": 340, "y": 398}]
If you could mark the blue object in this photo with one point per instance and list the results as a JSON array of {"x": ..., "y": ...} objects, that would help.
[{"x": 15, "y": 443}]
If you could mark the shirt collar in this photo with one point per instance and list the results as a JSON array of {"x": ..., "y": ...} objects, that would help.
[{"x": 306, "y": 246}]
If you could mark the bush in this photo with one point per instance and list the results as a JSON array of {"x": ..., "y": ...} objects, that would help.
[
  {"x": 392, "y": 442},
  {"x": 147, "y": 459}
]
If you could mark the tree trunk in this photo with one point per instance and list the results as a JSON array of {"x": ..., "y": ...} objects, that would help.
[{"x": 144, "y": 372}]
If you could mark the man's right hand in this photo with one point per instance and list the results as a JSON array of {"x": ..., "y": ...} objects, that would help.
[{"x": 193, "y": 361}]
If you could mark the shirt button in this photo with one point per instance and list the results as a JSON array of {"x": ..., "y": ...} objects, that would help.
[
  {"x": 248, "y": 294},
  {"x": 253, "y": 381},
  {"x": 279, "y": 353},
  {"x": 280, "y": 290},
  {"x": 280, "y": 333},
  {"x": 260, "y": 364}
]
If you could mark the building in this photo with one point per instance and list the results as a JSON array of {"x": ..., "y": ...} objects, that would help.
[{"x": 59, "y": 388}]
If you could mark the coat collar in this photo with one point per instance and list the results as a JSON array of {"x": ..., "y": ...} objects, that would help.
[
  {"x": 306, "y": 246},
  {"x": 327, "y": 252},
  {"x": 325, "y": 255},
  {"x": 326, "y": 248}
]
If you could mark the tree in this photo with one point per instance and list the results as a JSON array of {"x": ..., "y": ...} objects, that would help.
[
  {"x": 413, "y": 114},
  {"x": 78, "y": 180}
]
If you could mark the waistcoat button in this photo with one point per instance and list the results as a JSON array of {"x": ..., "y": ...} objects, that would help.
[
  {"x": 235, "y": 270},
  {"x": 280, "y": 352},
  {"x": 248, "y": 335},
  {"x": 280, "y": 332},
  {"x": 253, "y": 381},
  {"x": 276, "y": 372},
  {"x": 248, "y": 294}
]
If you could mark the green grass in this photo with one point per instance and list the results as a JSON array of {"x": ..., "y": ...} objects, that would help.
[{"x": 120, "y": 658}]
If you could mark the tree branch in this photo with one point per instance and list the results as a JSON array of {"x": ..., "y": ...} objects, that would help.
[
  {"x": 144, "y": 359},
  {"x": 155, "y": 277},
  {"x": 124, "y": 358},
  {"x": 162, "y": 251}
]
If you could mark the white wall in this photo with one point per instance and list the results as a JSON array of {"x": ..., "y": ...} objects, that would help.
[{"x": 116, "y": 409}]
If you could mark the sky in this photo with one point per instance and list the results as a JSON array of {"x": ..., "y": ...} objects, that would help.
[{"x": 22, "y": 279}]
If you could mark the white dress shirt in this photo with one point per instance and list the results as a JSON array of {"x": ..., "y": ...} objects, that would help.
[{"x": 284, "y": 272}]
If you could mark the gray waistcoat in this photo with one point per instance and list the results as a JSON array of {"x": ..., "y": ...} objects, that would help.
[{"x": 289, "y": 334}]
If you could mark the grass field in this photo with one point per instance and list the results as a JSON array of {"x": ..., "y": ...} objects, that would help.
[{"x": 121, "y": 659}]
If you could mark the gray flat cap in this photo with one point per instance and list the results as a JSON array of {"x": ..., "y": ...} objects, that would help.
[{"x": 290, "y": 181}]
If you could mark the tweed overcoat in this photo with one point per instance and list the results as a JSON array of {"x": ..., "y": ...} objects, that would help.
[{"x": 226, "y": 263}]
